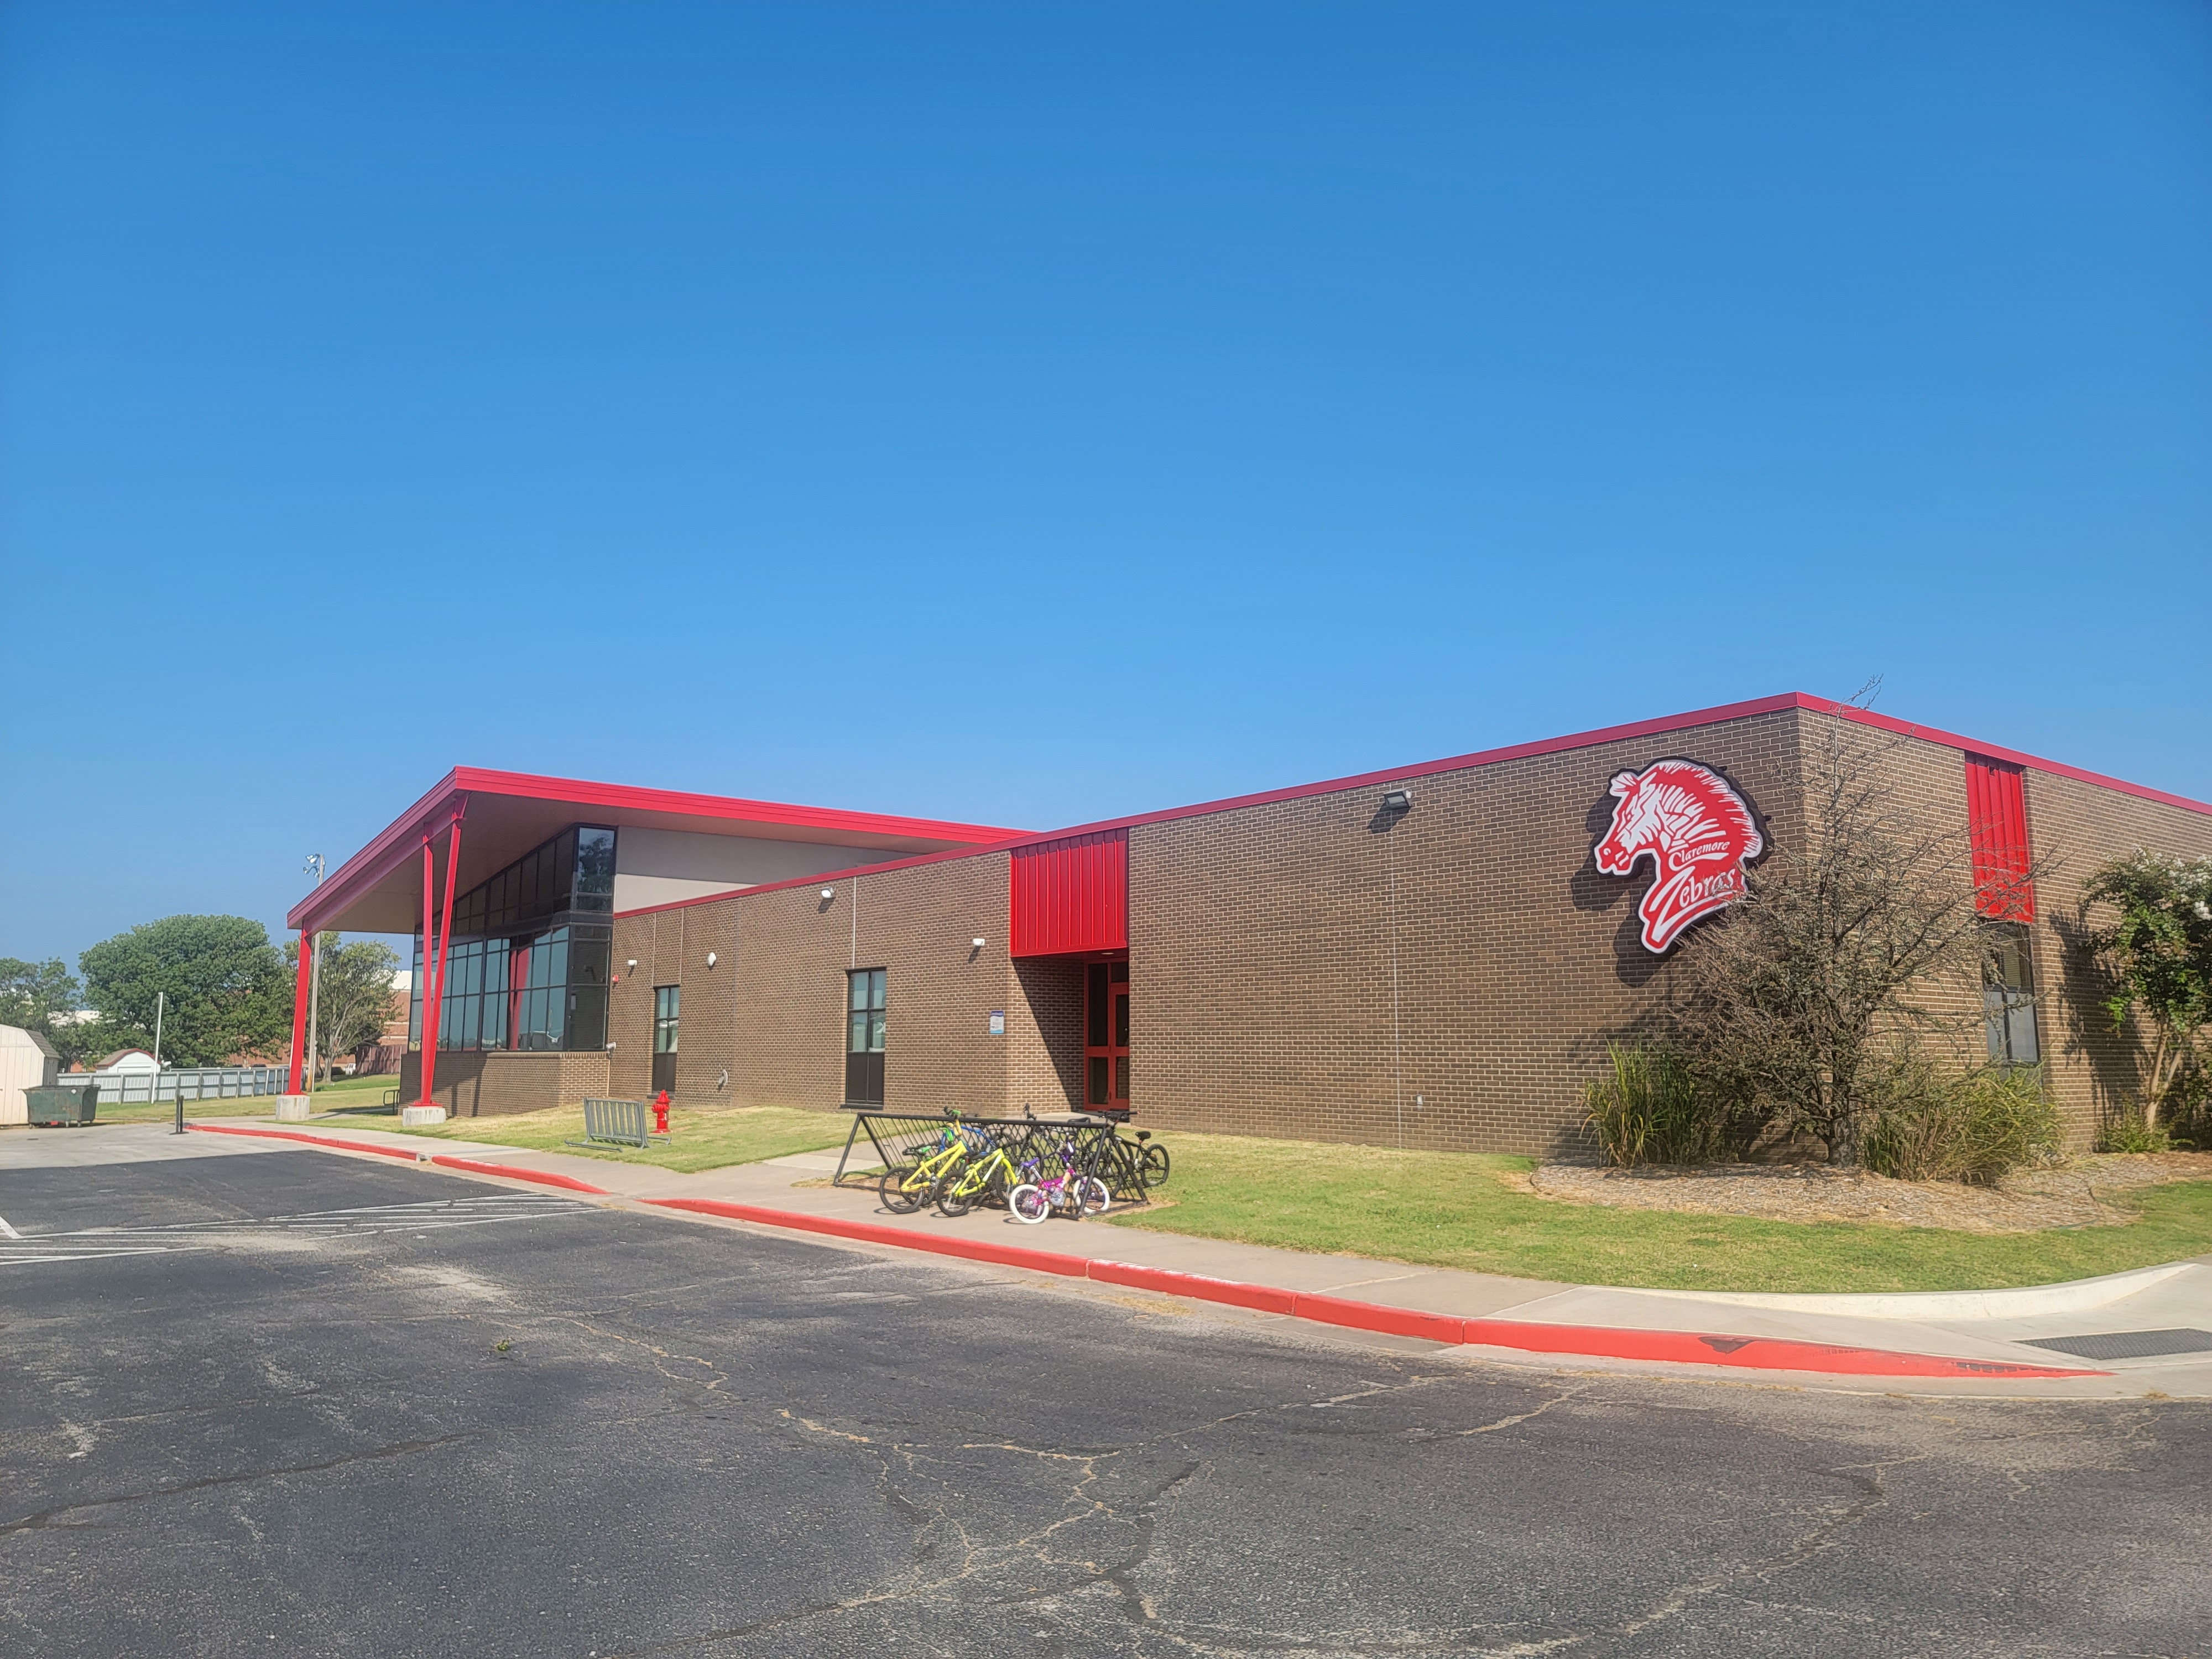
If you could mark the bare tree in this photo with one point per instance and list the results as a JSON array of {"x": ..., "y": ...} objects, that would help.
[{"x": 1804, "y": 1004}]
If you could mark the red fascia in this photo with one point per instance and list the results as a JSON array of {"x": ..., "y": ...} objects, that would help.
[
  {"x": 375, "y": 862},
  {"x": 1651, "y": 728}
]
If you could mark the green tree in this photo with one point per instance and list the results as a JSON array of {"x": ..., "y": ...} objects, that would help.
[
  {"x": 228, "y": 996},
  {"x": 2159, "y": 954},
  {"x": 356, "y": 996},
  {"x": 33, "y": 993}
]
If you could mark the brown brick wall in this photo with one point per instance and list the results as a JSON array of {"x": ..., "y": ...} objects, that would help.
[
  {"x": 1261, "y": 950},
  {"x": 772, "y": 1011},
  {"x": 2075, "y": 827},
  {"x": 497, "y": 1083},
  {"x": 1044, "y": 1036},
  {"x": 1262, "y": 956}
]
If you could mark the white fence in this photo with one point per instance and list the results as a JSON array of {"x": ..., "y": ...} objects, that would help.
[{"x": 189, "y": 1082}]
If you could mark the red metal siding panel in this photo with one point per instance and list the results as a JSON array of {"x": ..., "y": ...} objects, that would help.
[
  {"x": 1070, "y": 894},
  {"x": 1996, "y": 814}
]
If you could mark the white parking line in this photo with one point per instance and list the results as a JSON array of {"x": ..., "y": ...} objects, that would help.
[{"x": 90, "y": 1244}]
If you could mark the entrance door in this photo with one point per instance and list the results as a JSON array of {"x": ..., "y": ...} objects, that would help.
[{"x": 1106, "y": 1036}]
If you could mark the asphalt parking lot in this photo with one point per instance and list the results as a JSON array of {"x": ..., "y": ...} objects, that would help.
[{"x": 291, "y": 1403}]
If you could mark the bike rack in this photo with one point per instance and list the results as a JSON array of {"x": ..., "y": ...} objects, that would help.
[{"x": 895, "y": 1139}]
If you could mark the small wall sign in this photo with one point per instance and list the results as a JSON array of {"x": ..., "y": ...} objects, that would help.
[
  {"x": 998, "y": 1022},
  {"x": 1699, "y": 833}
]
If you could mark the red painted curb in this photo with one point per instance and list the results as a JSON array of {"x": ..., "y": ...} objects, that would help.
[
  {"x": 1587, "y": 1341},
  {"x": 1265, "y": 1299},
  {"x": 1373, "y": 1316},
  {"x": 516, "y": 1172},
  {"x": 1759, "y": 1353},
  {"x": 1762, "y": 1354},
  {"x": 310, "y": 1140}
]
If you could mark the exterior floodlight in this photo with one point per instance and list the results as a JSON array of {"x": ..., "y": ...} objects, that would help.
[
  {"x": 710, "y": 958},
  {"x": 631, "y": 964},
  {"x": 977, "y": 943},
  {"x": 1398, "y": 800},
  {"x": 829, "y": 892}
]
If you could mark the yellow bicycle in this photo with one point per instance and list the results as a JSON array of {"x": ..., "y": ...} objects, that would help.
[{"x": 903, "y": 1191}]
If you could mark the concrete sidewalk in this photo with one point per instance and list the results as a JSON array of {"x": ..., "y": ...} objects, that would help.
[{"x": 1996, "y": 1328}]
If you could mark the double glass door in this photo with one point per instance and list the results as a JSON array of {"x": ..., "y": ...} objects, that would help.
[{"x": 1106, "y": 1036}]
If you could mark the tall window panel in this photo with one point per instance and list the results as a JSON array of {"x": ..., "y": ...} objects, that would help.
[{"x": 866, "y": 1025}]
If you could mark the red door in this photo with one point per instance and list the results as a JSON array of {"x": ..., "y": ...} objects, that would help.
[{"x": 1106, "y": 1036}]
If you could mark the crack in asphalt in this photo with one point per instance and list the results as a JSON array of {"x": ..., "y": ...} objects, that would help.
[{"x": 45, "y": 1520}]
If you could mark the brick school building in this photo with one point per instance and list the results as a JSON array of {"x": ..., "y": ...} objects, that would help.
[{"x": 1432, "y": 955}]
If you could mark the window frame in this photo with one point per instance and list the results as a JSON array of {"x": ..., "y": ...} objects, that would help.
[
  {"x": 668, "y": 1018},
  {"x": 2009, "y": 1001}
]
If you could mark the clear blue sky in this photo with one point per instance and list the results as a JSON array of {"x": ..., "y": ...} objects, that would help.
[{"x": 1028, "y": 414}]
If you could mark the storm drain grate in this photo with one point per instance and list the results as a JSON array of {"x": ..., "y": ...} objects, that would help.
[{"x": 2127, "y": 1345}]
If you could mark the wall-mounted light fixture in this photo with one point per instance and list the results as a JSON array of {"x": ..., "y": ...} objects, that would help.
[
  {"x": 631, "y": 964},
  {"x": 1398, "y": 800},
  {"x": 829, "y": 893},
  {"x": 977, "y": 943},
  {"x": 710, "y": 958},
  {"x": 611, "y": 1047}
]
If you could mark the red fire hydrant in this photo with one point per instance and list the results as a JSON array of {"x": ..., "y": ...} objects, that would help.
[{"x": 660, "y": 1113}]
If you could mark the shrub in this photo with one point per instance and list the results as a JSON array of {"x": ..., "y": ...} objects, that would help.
[
  {"x": 1651, "y": 1110},
  {"x": 2127, "y": 1132},
  {"x": 1973, "y": 1125}
]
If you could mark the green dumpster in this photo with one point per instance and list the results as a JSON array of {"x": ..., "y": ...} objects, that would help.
[{"x": 57, "y": 1104}]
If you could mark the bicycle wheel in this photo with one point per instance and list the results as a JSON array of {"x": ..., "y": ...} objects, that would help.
[
  {"x": 1155, "y": 1166},
  {"x": 897, "y": 1196},
  {"x": 955, "y": 1197},
  {"x": 1091, "y": 1193},
  {"x": 1028, "y": 1204}
]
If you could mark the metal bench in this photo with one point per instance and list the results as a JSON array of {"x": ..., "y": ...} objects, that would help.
[{"x": 617, "y": 1123}]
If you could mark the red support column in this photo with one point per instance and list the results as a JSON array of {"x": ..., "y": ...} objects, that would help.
[
  {"x": 300, "y": 1012},
  {"x": 446, "y": 916},
  {"x": 434, "y": 989},
  {"x": 430, "y": 1002}
]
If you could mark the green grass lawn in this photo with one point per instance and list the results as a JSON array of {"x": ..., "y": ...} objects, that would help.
[
  {"x": 1452, "y": 1210},
  {"x": 355, "y": 1091},
  {"x": 703, "y": 1140}
]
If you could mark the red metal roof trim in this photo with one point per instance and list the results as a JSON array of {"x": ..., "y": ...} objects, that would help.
[
  {"x": 1996, "y": 821},
  {"x": 1069, "y": 896},
  {"x": 1651, "y": 728},
  {"x": 431, "y": 813}
]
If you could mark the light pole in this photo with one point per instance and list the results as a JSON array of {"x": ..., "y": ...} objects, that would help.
[
  {"x": 314, "y": 868},
  {"x": 160, "y": 1004}
]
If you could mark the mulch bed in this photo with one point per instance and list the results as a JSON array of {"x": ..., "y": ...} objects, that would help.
[{"x": 2077, "y": 1193}]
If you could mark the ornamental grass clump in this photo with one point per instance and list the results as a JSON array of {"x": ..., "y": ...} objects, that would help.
[
  {"x": 1650, "y": 1110},
  {"x": 1973, "y": 1127}
]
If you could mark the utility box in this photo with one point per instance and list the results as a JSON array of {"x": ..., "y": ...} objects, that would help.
[{"x": 61, "y": 1105}]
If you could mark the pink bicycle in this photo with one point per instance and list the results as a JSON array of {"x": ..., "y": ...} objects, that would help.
[{"x": 1070, "y": 1191}]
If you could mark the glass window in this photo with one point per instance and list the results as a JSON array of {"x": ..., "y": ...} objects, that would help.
[
  {"x": 2008, "y": 999},
  {"x": 865, "y": 1027},
  {"x": 1096, "y": 1013},
  {"x": 512, "y": 940},
  {"x": 595, "y": 869},
  {"x": 667, "y": 1007}
]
